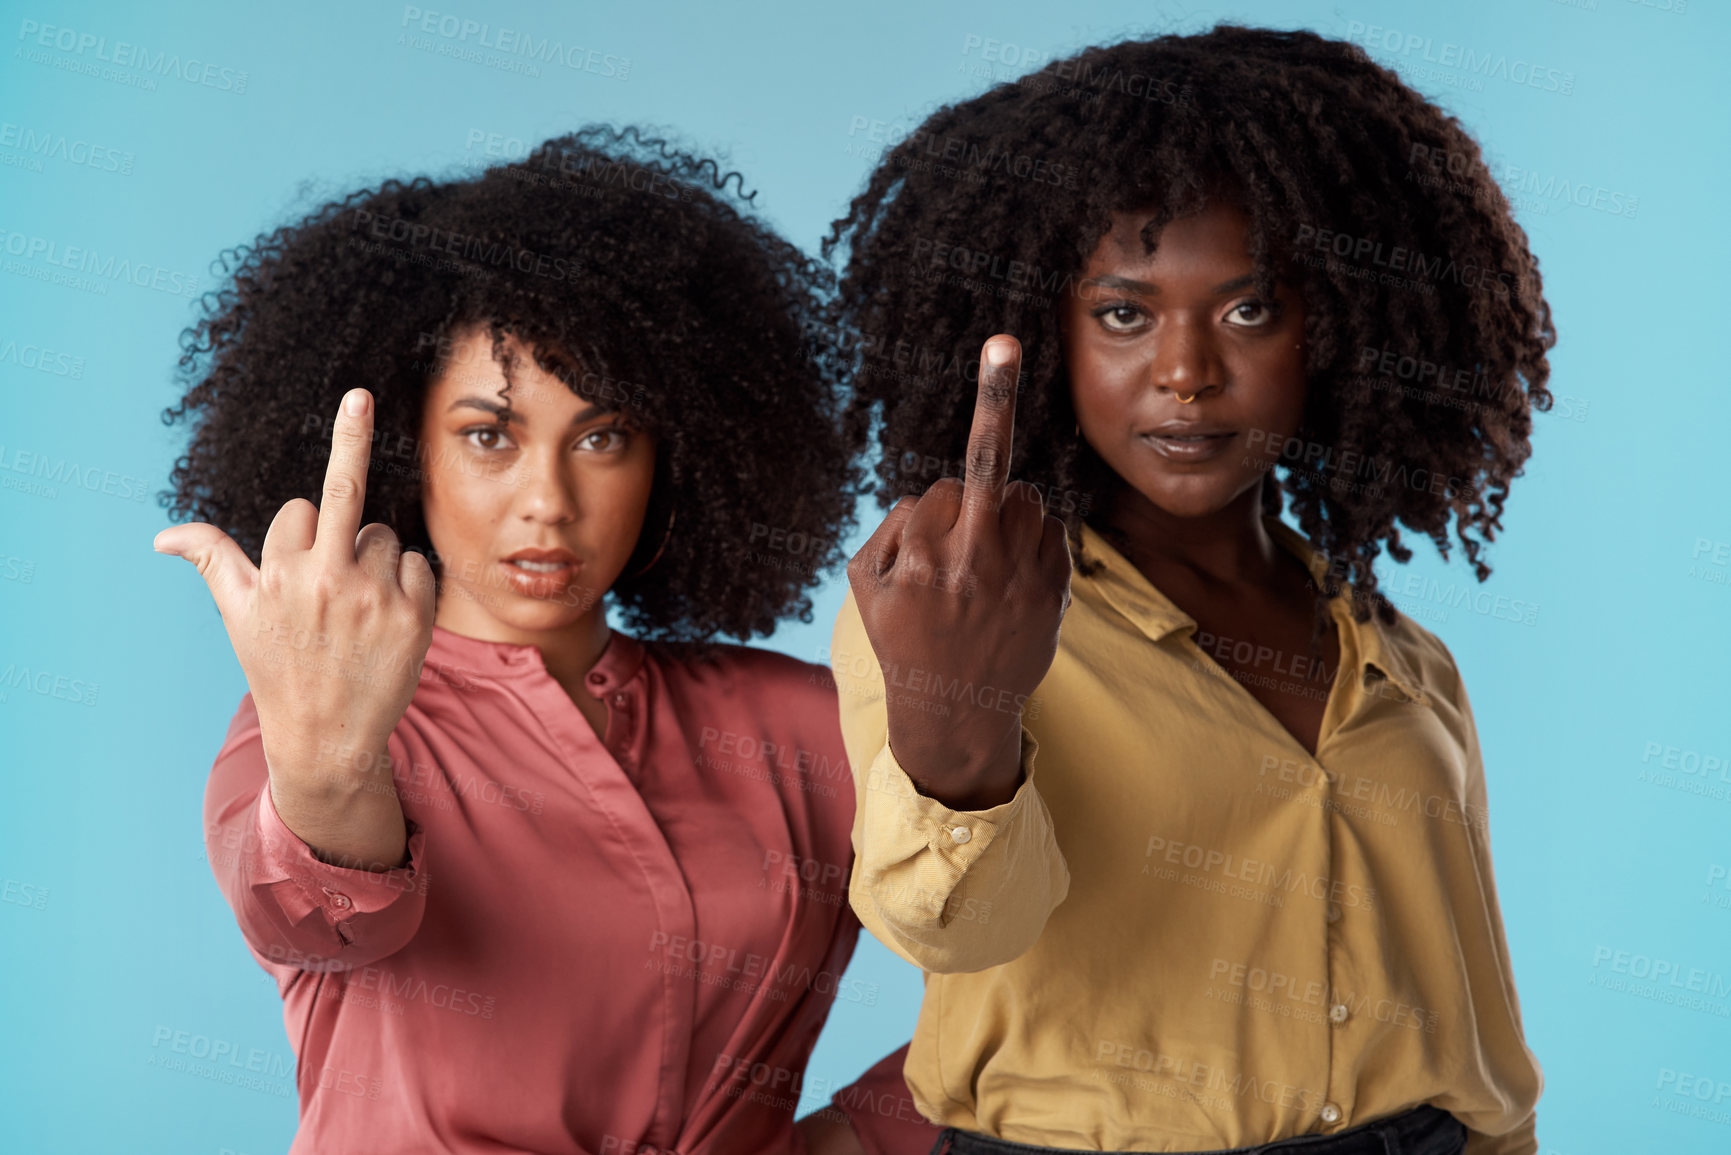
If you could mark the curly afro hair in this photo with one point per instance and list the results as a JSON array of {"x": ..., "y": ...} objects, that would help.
[
  {"x": 1316, "y": 143},
  {"x": 633, "y": 273}
]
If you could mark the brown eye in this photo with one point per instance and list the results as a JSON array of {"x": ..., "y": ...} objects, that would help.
[
  {"x": 613, "y": 439},
  {"x": 1251, "y": 314},
  {"x": 481, "y": 431},
  {"x": 1120, "y": 317}
]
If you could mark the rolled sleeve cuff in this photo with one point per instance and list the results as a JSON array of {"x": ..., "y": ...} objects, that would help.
[
  {"x": 917, "y": 849},
  {"x": 302, "y": 883}
]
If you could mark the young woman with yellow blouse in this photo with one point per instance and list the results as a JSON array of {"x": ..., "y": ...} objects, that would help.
[{"x": 1210, "y": 868}]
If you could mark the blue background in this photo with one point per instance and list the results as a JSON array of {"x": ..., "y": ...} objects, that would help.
[{"x": 112, "y": 929}]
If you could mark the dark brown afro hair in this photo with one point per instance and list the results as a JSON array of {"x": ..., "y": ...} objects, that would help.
[
  {"x": 634, "y": 271},
  {"x": 1426, "y": 329}
]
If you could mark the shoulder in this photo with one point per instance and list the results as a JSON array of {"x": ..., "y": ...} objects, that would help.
[
  {"x": 748, "y": 671},
  {"x": 1430, "y": 664},
  {"x": 1428, "y": 656}
]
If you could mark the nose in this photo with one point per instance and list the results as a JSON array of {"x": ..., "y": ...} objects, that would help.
[
  {"x": 1185, "y": 359},
  {"x": 548, "y": 489}
]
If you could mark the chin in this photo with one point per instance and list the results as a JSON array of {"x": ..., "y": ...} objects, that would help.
[
  {"x": 545, "y": 615},
  {"x": 552, "y": 613},
  {"x": 1192, "y": 496}
]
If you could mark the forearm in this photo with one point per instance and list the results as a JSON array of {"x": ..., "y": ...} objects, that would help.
[
  {"x": 973, "y": 767},
  {"x": 292, "y": 906},
  {"x": 359, "y": 828}
]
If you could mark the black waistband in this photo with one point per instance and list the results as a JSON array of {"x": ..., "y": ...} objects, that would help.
[{"x": 1423, "y": 1130}]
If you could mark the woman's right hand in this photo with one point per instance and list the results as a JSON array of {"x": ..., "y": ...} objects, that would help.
[
  {"x": 331, "y": 629},
  {"x": 961, "y": 592}
]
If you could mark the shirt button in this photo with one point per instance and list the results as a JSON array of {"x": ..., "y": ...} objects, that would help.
[
  {"x": 619, "y": 699},
  {"x": 1330, "y": 1113},
  {"x": 1337, "y": 1013},
  {"x": 596, "y": 679},
  {"x": 961, "y": 834},
  {"x": 340, "y": 901},
  {"x": 1333, "y": 912}
]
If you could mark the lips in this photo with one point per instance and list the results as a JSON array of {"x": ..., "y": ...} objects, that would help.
[
  {"x": 541, "y": 573},
  {"x": 544, "y": 560},
  {"x": 1188, "y": 441},
  {"x": 1188, "y": 430}
]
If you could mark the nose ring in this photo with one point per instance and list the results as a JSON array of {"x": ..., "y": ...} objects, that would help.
[{"x": 1183, "y": 400}]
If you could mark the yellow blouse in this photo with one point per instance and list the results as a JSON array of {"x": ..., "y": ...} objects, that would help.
[{"x": 1185, "y": 932}]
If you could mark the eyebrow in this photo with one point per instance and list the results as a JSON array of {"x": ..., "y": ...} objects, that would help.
[
  {"x": 1148, "y": 290},
  {"x": 493, "y": 407}
]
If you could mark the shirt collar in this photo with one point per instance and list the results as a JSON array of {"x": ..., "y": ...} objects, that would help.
[
  {"x": 1130, "y": 592},
  {"x": 452, "y": 656}
]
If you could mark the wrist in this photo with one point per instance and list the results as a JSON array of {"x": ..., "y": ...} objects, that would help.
[
  {"x": 365, "y": 832},
  {"x": 963, "y": 770},
  {"x": 331, "y": 771}
]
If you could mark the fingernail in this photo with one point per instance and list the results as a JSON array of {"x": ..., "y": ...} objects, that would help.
[
  {"x": 355, "y": 403},
  {"x": 998, "y": 352}
]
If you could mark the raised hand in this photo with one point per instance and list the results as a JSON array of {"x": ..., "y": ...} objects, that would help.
[
  {"x": 331, "y": 629},
  {"x": 961, "y": 591}
]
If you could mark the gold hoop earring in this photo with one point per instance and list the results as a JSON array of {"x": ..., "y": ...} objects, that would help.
[{"x": 665, "y": 537}]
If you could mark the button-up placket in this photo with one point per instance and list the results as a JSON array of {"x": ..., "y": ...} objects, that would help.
[
  {"x": 605, "y": 769},
  {"x": 1366, "y": 653}
]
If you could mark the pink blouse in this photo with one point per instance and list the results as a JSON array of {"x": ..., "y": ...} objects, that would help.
[{"x": 618, "y": 947}]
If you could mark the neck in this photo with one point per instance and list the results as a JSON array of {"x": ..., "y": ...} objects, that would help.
[
  {"x": 568, "y": 652},
  {"x": 1229, "y": 546}
]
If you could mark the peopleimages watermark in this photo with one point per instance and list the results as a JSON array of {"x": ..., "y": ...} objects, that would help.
[
  {"x": 19, "y": 893},
  {"x": 1681, "y": 1093},
  {"x": 92, "y": 51},
  {"x": 1185, "y": 1073},
  {"x": 46, "y": 684},
  {"x": 17, "y": 569},
  {"x": 1370, "y": 254},
  {"x": 513, "y": 45},
  {"x": 41, "y": 358},
  {"x": 1383, "y": 802},
  {"x": 1268, "y": 882},
  {"x": 1711, "y": 561},
  {"x": 913, "y": 364},
  {"x": 916, "y": 471},
  {"x": 983, "y": 272},
  {"x": 222, "y": 1061},
  {"x": 1291, "y": 996},
  {"x": 91, "y": 262},
  {"x": 63, "y": 471},
  {"x": 716, "y": 964},
  {"x": 1427, "y": 166},
  {"x": 466, "y": 250},
  {"x": 1478, "y": 65},
  {"x": 954, "y": 155},
  {"x": 1660, "y": 980},
  {"x": 1088, "y": 83},
  {"x": 39, "y": 145},
  {"x": 1348, "y": 469},
  {"x": 1701, "y": 773}
]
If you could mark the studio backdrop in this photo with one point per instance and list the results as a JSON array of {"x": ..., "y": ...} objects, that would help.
[{"x": 138, "y": 142}]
